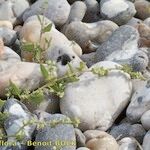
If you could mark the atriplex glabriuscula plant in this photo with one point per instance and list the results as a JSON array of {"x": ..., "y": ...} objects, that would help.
[{"x": 53, "y": 84}]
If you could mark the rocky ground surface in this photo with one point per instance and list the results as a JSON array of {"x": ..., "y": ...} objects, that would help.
[{"x": 89, "y": 62}]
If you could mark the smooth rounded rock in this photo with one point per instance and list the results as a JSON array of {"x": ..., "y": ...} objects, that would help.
[
  {"x": 128, "y": 130},
  {"x": 102, "y": 113},
  {"x": 9, "y": 36},
  {"x": 99, "y": 140},
  {"x": 119, "y": 11},
  {"x": 140, "y": 103},
  {"x": 57, "y": 13},
  {"x": 146, "y": 143},
  {"x": 145, "y": 120},
  {"x": 142, "y": 8},
  {"x": 121, "y": 46},
  {"x": 90, "y": 35},
  {"x": 82, "y": 148},
  {"x": 12, "y": 11},
  {"x": 61, "y": 135},
  {"x": 129, "y": 143}
]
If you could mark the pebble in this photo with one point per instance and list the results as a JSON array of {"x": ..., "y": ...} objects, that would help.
[
  {"x": 147, "y": 21},
  {"x": 12, "y": 11},
  {"x": 121, "y": 46},
  {"x": 93, "y": 11},
  {"x": 139, "y": 104},
  {"x": 61, "y": 135},
  {"x": 90, "y": 35},
  {"x": 146, "y": 143},
  {"x": 16, "y": 119},
  {"x": 127, "y": 130},
  {"x": 129, "y": 143},
  {"x": 144, "y": 32},
  {"x": 80, "y": 138},
  {"x": 57, "y": 13},
  {"x": 96, "y": 140},
  {"x": 89, "y": 59},
  {"x": 119, "y": 11},
  {"x": 145, "y": 120},
  {"x": 9, "y": 36},
  {"x": 6, "y": 24},
  {"x": 63, "y": 53},
  {"x": 142, "y": 8},
  {"x": 102, "y": 112}
]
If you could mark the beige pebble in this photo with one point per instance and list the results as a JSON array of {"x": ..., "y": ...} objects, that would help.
[{"x": 6, "y": 24}]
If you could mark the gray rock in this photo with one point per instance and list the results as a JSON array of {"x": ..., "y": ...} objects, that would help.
[
  {"x": 95, "y": 108},
  {"x": 61, "y": 136},
  {"x": 145, "y": 120},
  {"x": 18, "y": 114},
  {"x": 138, "y": 132},
  {"x": 128, "y": 130},
  {"x": 129, "y": 143},
  {"x": 90, "y": 35},
  {"x": 77, "y": 12},
  {"x": 93, "y": 11},
  {"x": 140, "y": 103},
  {"x": 80, "y": 138},
  {"x": 55, "y": 10},
  {"x": 134, "y": 22},
  {"x": 120, "y": 131},
  {"x": 12, "y": 10},
  {"x": 118, "y": 11},
  {"x": 147, "y": 21},
  {"x": 9, "y": 36},
  {"x": 146, "y": 143},
  {"x": 120, "y": 47},
  {"x": 89, "y": 59}
]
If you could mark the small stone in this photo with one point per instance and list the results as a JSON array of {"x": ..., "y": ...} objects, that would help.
[
  {"x": 145, "y": 120},
  {"x": 6, "y": 24},
  {"x": 89, "y": 59},
  {"x": 93, "y": 11},
  {"x": 57, "y": 13},
  {"x": 80, "y": 138},
  {"x": 128, "y": 130},
  {"x": 146, "y": 143},
  {"x": 140, "y": 103},
  {"x": 12, "y": 11},
  {"x": 99, "y": 140},
  {"x": 90, "y": 35},
  {"x": 142, "y": 8},
  {"x": 102, "y": 112},
  {"x": 63, "y": 53},
  {"x": 119, "y": 11},
  {"x": 129, "y": 143},
  {"x": 121, "y": 46},
  {"x": 61, "y": 135},
  {"x": 134, "y": 22},
  {"x": 147, "y": 21},
  {"x": 9, "y": 36},
  {"x": 16, "y": 120}
]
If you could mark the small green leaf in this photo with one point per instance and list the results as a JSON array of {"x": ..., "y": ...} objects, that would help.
[
  {"x": 27, "y": 47},
  {"x": 14, "y": 89},
  {"x": 2, "y": 102},
  {"x": 81, "y": 67},
  {"x": 44, "y": 71},
  {"x": 36, "y": 97},
  {"x": 39, "y": 18},
  {"x": 47, "y": 28}
]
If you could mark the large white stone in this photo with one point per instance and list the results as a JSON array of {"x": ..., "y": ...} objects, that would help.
[{"x": 97, "y": 101}]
